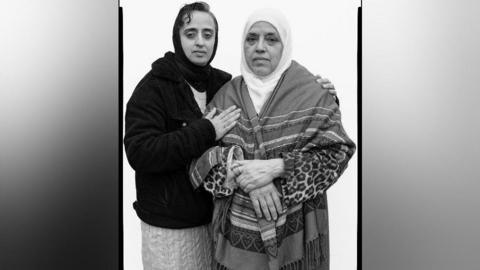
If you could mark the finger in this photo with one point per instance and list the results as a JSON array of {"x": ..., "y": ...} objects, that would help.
[
  {"x": 279, "y": 194},
  {"x": 231, "y": 117},
  {"x": 225, "y": 128},
  {"x": 211, "y": 113},
  {"x": 332, "y": 91},
  {"x": 246, "y": 185},
  {"x": 233, "y": 110},
  {"x": 328, "y": 86},
  {"x": 271, "y": 207},
  {"x": 242, "y": 162},
  {"x": 277, "y": 202},
  {"x": 241, "y": 176},
  {"x": 248, "y": 188},
  {"x": 228, "y": 127},
  {"x": 235, "y": 165},
  {"x": 227, "y": 111},
  {"x": 238, "y": 172},
  {"x": 235, "y": 172},
  {"x": 318, "y": 76},
  {"x": 265, "y": 210},
  {"x": 242, "y": 185},
  {"x": 256, "y": 207},
  {"x": 323, "y": 81}
]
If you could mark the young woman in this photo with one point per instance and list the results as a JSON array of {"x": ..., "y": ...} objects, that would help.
[{"x": 164, "y": 131}]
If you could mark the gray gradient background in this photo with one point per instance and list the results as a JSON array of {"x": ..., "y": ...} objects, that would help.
[
  {"x": 59, "y": 125},
  {"x": 421, "y": 130},
  {"x": 59, "y": 188}
]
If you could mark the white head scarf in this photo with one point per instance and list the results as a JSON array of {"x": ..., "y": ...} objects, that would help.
[{"x": 260, "y": 88}]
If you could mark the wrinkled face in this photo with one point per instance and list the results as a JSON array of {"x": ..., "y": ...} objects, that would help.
[
  {"x": 198, "y": 38},
  {"x": 263, "y": 48}
]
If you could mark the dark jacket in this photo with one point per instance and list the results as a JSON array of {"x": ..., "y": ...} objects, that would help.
[{"x": 164, "y": 131}]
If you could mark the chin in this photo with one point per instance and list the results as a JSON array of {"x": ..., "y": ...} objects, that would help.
[
  {"x": 199, "y": 62},
  {"x": 261, "y": 72}
]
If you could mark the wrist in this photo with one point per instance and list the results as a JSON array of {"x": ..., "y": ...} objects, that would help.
[
  {"x": 212, "y": 132},
  {"x": 278, "y": 167}
]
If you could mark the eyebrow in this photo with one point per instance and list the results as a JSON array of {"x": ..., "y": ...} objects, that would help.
[
  {"x": 272, "y": 35},
  {"x": 266, "y": 34},
  {"x": 195, "y": 29}
]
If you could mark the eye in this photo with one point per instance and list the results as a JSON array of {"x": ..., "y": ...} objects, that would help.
[
  {"x": 190, "y": 35},
  {"x": 208, "y": 35},
  {"x": 251, "y": 39},
  {"x": 272, "y": 40}
]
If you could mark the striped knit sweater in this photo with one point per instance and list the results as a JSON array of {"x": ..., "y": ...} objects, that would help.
[{"x": 300, "y": 123}]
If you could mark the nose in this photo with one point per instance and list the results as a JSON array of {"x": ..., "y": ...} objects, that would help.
[
  {"x": 260, "y": 46},
  {"x": 199, "y": 41}
]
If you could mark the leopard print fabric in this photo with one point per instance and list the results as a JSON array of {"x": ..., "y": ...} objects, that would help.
[
  {"x": 308, "y": 174},
  {"x": 214, "y": 182}
]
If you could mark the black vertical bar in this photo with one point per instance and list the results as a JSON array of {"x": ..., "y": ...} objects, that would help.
[
  {"x": 359, "y": 136},
  {"x": 120, "y": 130}
]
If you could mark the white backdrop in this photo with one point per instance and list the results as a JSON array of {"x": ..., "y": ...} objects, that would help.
[{"x": 324, "y": 40}]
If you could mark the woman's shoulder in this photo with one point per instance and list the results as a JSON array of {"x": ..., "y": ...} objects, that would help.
[
  {"x": 301, "y": 87},
  {"x": 229, "y": 91},
  {"x": 219, "y": 78},
  {"x": 299, "y": 77},
  {"x": 151, "y": 88},
  {"x": 299, "y": 71},
  {"x": 221, "y": 75},
  {"x": 230, "y": 86}
]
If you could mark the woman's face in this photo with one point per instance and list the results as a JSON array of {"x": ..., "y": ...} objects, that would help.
[
  {"x": 263, "y": 48},
  {"x": 198, "y": 38}
]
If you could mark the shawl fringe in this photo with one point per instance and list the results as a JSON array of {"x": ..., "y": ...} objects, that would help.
[
  {"x": 316, "y": 256},
  {"x": 220, "y": 215},
  {"x": 218, "y": 266}
]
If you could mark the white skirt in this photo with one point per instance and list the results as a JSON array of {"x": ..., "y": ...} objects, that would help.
[{"x": 173, "y": 249}]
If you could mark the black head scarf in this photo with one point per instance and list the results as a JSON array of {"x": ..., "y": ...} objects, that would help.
[{"x": 196, "y": 76}]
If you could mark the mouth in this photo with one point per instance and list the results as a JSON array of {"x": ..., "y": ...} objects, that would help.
[
  {"x": 200, "y": 52},
  {"x": 260, "y": 59}
]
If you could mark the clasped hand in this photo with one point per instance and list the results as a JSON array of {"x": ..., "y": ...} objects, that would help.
[{"x": 255, "y": 177}]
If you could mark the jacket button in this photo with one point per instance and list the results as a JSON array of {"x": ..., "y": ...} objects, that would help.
[{"x": 184, "y": 124}]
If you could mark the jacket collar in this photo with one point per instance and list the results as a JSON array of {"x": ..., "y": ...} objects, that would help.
[{"x": 166, "y": 68}]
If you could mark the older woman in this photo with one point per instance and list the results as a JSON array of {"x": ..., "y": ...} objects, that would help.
[{"x": 271, "y": 208}]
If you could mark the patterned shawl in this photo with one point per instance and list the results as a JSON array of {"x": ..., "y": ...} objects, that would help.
[{"x": 299, "y": 117}]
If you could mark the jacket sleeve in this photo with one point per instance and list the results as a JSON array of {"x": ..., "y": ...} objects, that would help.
[{"x": 150, "y": 148}]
